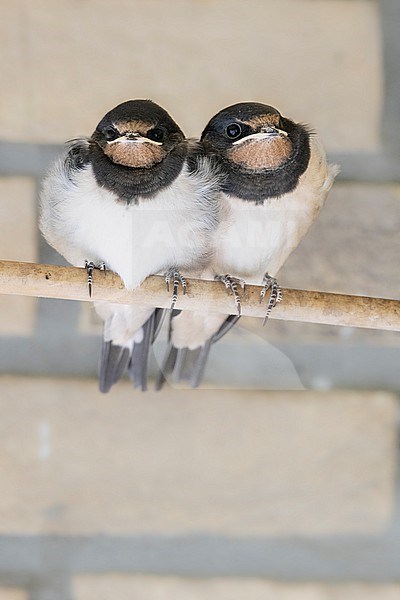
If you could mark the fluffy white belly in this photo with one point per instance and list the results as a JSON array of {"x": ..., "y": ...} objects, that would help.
[
  {"x": 86, "y": 222},
  {"x": 256, "y": 239},
  {"x": 133, "y": 241}
]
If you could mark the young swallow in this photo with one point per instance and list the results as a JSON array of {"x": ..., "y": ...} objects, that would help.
[
  {"x": 136, "y": 198},
  {"x": 275, "y": 180}
]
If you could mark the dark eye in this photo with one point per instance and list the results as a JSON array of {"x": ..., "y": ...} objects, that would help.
[
  {"x": 157, "y": 134},
  {"x": 233, "y": 131},
  {"x": 111, "y": 134}
]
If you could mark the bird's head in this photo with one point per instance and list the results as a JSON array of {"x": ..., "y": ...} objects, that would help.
[
  {"x": 137, "y": 134},
  {"x": 258, "y": 148}
]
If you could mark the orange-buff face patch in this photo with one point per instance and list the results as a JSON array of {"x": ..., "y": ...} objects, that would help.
[
  {"x": 134, "y": 154},
  {"x": 261, "y": 154}
]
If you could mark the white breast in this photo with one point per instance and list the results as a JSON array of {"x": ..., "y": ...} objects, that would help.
[
  {"x": 83, "y": 221},
  {"x": 255, "y": 239}
]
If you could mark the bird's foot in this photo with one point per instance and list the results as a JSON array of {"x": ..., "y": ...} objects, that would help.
[
  {"x": 176, "y": 277},
  {"x": 231, "y": 284},
  {"x": 90, "y": 267},
  {"x": 275, "y": 294}
]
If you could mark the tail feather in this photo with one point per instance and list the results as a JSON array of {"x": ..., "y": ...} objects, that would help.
[
  {"x": 184, "y": 364},
  {"x": 159, "y": 316},
  {"x": 200, "y": 364},
  {"x": 180, "y": 361},
  {"x": 139, "y": 363},
  {"x": 167, "y": 367},
  {"x": 225, "y": 327},
  {"x": 115, "y": 359},
  {"x": 113, "y": 362}
]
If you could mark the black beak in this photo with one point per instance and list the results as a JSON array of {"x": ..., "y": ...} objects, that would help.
[
  {"x": 271, "y": 131},
  {"x": 131, "y": 136}
]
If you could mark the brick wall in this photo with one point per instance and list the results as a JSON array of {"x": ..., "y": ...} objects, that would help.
[{"x": 232, "y": 491}]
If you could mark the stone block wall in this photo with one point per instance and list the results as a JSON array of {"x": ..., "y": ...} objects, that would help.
[{"x": 278, "y": 479}]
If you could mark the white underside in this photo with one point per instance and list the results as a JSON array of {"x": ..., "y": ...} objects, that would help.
[
  {"x": 83, "y": 221},
  {"x": 256, "y": 239}
]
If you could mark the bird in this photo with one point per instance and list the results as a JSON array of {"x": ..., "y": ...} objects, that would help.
[
  {"x": 137, "y": 198},
  {"x": 275, "y": 179}
]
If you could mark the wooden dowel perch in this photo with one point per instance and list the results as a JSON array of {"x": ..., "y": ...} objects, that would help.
[{"x": 70, "y": 283}]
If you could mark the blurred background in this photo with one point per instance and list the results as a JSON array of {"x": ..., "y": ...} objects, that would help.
[{"x": 279, "y": 478}]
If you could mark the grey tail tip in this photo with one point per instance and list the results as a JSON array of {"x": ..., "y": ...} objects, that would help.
[
  {"x": 139, "y": 363},
  {"x": 200, "y": 364},
  {"x": 113, "y": 362},
  {"x": 166, "y": 367},
  {"x": 184, "y": 364}
]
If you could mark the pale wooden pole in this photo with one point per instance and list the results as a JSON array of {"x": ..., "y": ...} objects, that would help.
[{"x": 49, "y": 281}]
